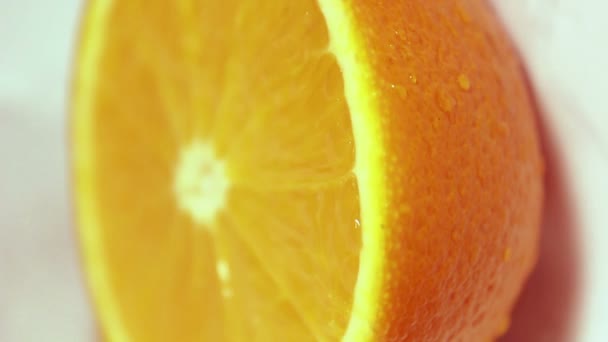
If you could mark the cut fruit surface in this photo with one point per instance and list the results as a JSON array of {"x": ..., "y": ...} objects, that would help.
[
  {"x": 298, "y": 171},
  {"x": 220, "y": 147}
]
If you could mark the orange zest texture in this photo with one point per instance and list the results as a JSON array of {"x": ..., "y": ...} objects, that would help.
[{"x": 303, "y": 170}]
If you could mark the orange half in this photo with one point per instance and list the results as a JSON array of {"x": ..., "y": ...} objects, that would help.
[{"x": 303, "y": 170}]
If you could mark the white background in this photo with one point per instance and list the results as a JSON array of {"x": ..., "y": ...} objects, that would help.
[{"x": 564, "y": 43}]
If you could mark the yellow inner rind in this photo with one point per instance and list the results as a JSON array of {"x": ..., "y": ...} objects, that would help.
[
  {"x": 91, "y": 46},
  {"x": 349, "y": 49}
]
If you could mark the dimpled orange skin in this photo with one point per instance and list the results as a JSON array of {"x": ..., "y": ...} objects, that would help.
[{"x": 463, "y": 224}]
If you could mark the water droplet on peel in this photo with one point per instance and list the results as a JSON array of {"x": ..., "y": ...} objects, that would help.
[
  {"x": 401, "y": 91},
  {"x": 413, "y": 78},
  {"x": 500, "y": 129},
  {"x": 404, "y": 208},
  {"x": 357, "y": 224},
  {"x": 504, "y": 325},
  {"x": 445, "y": 101},
  {"x": 463, "y": 14},
  {"x": 474, "y": 253},
  {"x": 507, "y": 254},
  {"x": 464, "y": 82}
]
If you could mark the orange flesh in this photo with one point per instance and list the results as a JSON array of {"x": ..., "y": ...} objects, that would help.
[{"x": 272, "y": 108}]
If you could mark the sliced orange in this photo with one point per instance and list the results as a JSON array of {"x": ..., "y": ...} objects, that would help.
[{"x": 300, "y": 170}]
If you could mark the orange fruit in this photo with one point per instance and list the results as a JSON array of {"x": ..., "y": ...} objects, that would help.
[{"x": 303, "y": 170}]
